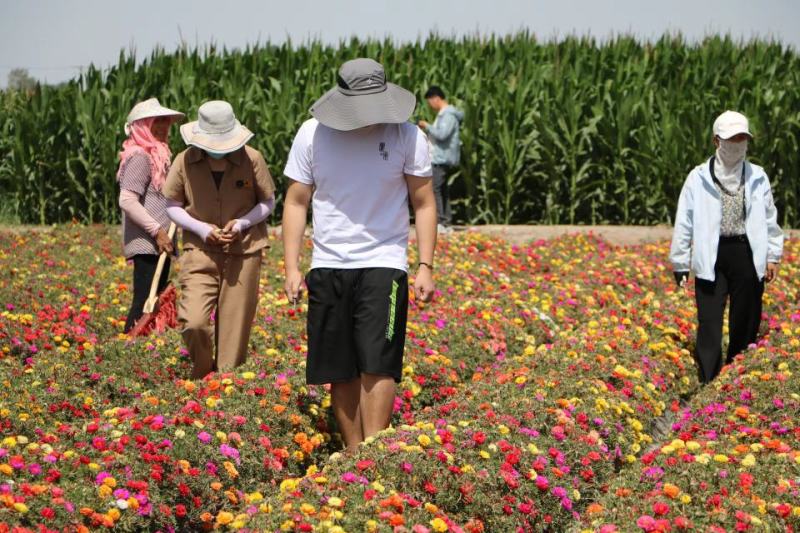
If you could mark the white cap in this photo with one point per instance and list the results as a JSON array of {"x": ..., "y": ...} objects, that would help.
[{"x": 730, "y": 124}]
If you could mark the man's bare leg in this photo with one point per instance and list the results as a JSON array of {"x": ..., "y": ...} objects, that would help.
[
  {"x": 345, "y": 403},
  {"x": 377, "y": 402}
]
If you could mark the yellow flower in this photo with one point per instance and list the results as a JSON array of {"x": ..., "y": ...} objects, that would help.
[
  {"x": 721, "y": 458},
  {"x": 438, "y": 524},
  {"x": 21, "y": 508},
  {"x": 333, "y": 501},
  {"x": 424, "y": 440},
  {"x": 307, "y": 509},
  {"x": 289, "y": 485},
  {"x": 224, "y": 518},
  {"x": 749, "y": 460},
  {"x": 686, "y": 499}
]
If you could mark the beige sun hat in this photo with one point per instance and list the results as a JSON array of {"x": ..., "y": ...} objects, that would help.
[
  {"x": 216, "y": 129},
  {"x": 147, "y": 109}
]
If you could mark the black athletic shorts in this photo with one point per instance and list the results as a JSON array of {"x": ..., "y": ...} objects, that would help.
[{"x": 356, "y": 323}]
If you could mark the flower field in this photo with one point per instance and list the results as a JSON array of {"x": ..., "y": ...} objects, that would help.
[{"x": 529, "y": 402}]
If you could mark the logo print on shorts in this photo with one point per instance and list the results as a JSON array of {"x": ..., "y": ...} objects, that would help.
[
  {"x": 383, "y": 151},
  {"x": 392, "y": 311}
]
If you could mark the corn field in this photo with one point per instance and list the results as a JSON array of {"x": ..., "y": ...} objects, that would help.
[{"x": 568, "y": 132}]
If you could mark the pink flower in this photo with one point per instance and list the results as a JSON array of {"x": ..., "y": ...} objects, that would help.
[
  {"x": 646, "y": 522},
  {"x": 204, "y": 437},
  {"x": 349, "y": 477}
]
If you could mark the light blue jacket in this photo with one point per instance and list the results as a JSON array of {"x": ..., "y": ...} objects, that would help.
[
  {"x": 444, "y": 137},
  {"x": 695, "y": 238}
]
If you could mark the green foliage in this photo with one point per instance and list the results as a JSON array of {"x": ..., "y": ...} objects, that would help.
[{"x": 558, "y": 132}]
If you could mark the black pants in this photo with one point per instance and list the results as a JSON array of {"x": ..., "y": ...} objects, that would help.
[
  {"x": 441, "y": 173},
  {"x": 144, "y": 268},
  {"x": 735, "y": 276}
]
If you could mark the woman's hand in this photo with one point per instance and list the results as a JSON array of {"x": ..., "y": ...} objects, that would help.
[
  {"x": 772, "y": 272},
  {"x": 163, "y": 242},
  {"x": 215, "y": 235},
  {"x": 231, "y": 233}
]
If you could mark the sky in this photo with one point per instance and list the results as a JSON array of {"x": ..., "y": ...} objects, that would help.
[{"x": 55, "y": 39}]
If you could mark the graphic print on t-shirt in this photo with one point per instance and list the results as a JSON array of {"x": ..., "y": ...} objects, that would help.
[{"x": 382, "y": 151}]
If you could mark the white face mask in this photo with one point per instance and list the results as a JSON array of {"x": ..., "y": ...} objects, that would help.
[
  {"x": 732, "y": 153},
  {"x": 216, "y": 155}
]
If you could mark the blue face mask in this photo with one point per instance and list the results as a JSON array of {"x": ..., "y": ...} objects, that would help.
[{"x": 216, "y": 155}]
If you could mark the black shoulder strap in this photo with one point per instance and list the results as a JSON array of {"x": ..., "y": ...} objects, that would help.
[{"x": 722, "y": 189}]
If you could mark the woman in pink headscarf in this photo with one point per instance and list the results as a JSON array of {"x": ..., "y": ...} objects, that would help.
[{"x": 144, "y": 163}]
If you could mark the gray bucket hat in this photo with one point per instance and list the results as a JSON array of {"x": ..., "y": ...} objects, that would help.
[{"x": 363, "y": 97}]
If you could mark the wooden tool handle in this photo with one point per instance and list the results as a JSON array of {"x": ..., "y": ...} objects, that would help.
[{"x": 150, "y": 304}]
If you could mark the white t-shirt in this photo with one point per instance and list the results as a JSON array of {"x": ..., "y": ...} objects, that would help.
[{"x": 360, "y": 202}]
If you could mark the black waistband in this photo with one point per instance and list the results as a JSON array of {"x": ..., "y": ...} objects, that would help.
[{"x": 733, "y": 238}]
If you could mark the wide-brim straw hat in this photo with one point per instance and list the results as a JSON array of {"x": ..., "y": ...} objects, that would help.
[
  {"x": 363, "y": 97},
  {"x": 148, "y": 109},
  {"x": 216, "y": 129}
]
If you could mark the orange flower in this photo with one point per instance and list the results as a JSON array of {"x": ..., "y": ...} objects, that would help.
[
  {"x": 594, "y": 508},
  {"x": 279, "y": 408},
  {"x": 671, "y": 491},
  {"x": 396, "y": 520}
]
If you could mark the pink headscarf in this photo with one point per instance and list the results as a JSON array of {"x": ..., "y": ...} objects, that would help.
[{"x": 142, "y": 139}]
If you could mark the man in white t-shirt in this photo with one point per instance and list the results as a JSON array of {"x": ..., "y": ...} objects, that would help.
[{"x": 360, "y": 160}]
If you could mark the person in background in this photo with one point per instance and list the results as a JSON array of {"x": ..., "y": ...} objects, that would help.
[
  {"x": 727, "y": 233},
  {"x": 361, "y": 161},
  {"x": 219, "y": 190},
  {"x": 143, "y": 165},
  {"x": 446, "y": 151}
]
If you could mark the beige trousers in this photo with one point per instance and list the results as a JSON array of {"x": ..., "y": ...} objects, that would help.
[{"x": 226, "y": 283}]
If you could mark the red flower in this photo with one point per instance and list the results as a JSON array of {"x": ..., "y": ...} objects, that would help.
[{"x": 660, "y": 508}]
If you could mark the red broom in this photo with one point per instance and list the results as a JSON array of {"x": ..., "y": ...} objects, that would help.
[{"x": 159, "y": 310}]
